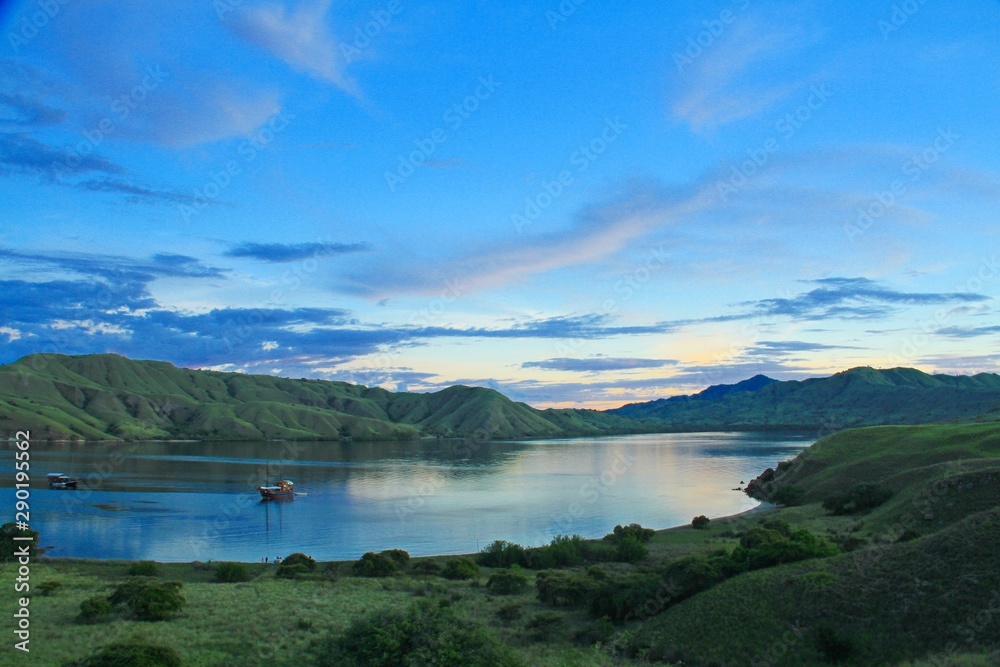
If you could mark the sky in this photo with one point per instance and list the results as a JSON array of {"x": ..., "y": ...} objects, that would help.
[{"x": 577, "y": 203}]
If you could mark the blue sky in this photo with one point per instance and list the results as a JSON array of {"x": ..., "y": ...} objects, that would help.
[{"x": 574, "y": 202}]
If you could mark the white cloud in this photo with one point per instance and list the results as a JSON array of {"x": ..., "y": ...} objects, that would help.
[
  {"x": 300, "y": 37},
  {"x": 724, "y": 85}
]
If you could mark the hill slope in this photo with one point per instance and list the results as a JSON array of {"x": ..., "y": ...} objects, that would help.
[
  {"x": 857, "y": 397},
  {"x": 922, "y": 576},
  {"x": 106, "y": 396}
]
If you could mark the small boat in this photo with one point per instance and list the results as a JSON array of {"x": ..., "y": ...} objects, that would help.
[
  {"x": 283, "y": 489},
  {"x": 58, "y": 480}
]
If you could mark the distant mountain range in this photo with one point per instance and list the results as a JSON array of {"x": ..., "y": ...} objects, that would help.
[
  {"x": 106, "y": 396},
  {"x": 858, "y": 397}
]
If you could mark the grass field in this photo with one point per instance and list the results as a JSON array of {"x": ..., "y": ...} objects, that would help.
[{"x": 916, "y": 582}]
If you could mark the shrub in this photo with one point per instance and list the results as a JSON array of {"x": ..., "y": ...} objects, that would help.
[
  {"x": 623, "y": 598},
  {"x": 299, "y": 558},
  {"x": 49, "y": 587},
  {"x": 566, "y": 551},
  {"x": 908, "y": 535},
  {"x": 630, "y": 550},
  {"x": 509, "y": 613},
  {"x": 565, "y": 588},
  {"x": 291, "y": 571},
  {"x": 230, "y": 573},
  {"x": 94, "y": 609},
  {"x": 787, "y": 494},
  {"x": 502, "y": 553},
  {"x": 700, "y": 522},
  {"x": 132, "y": 652},
  {"x": 427, "y": 633},
  {"x": 460, "y": 568},
  {"x": 632, "y": 530},
  {"x": 375, "y": 565},
  {"x": 859, "y": 498},
  {"x": 539, "y": 558},
  {"x": 148, "y": 599},
  {"x": 543, "y": 624},
  {"x": 598, "y": 632},
  {"x": 831, "y": 644},
  {"x": 401, "y": 558},
  {"x": 507, "y": 581},
  {"x": 143, "y": 568},
  {"x": 426, "y": 567},
  {"x": 8, "y": 545}
]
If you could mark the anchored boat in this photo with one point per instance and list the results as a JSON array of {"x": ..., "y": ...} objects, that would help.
[
  {"x": 283, "y": 489},
  {"x": 58, "y": 480}
]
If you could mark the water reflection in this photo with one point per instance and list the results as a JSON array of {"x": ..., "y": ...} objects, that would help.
[{"x": 198, "y": 501}]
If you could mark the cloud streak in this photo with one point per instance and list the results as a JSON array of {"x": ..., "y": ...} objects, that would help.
[
  {"x": 299, "y": 37},
  {"x": 293, "y": 252}
]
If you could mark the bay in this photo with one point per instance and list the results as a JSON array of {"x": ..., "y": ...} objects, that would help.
[{"x": 187, "y": 501}]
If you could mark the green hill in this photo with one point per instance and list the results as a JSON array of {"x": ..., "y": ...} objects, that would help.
[
  {"x": 921, "y": 576},
  {"x": 105, "y": 396},
  {"x": 857, "y": 397}
]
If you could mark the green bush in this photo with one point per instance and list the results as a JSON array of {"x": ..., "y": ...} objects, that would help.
[
  {"x": 598, "y": 632},
  {"x": 543, "y": 624},
  {"x": 632, "y": 530},
  {"x": 630, "y": 550},
  {"x": 94, "y": 609},
  {"x": 143, "y": 568},
  {"x": 539, "y": 558},
  {"x": 700, "y": 522},
  {"x": 299, "y": 559},
  {"x": 401, "y": 558},
  {"x": 230, "y": 573},
  {"x": 623, "y": 598},
  {"x": 375, "y": 565},
  {"x": 509, "y": 613},
  {"x": 426, "y": 567},
  {"x": 133, "y": 653},
  {"x": 427, "y": 633},
  {"x": 565, "y": 588},
  {"x": 148, "y": 599},
  {"x": 8, "y": 546},
  {"x": 502, "y": 553},
  {"x": 859, "y": 498},
  {"x": 507, "y": 581},
  {"x": 49, "y": 587},
  {"x": 566, "y": 551},
  {"x": 460, "y": 568},
  {"x": 787, "y": 495},
  {"x": 291, "y": 570}
]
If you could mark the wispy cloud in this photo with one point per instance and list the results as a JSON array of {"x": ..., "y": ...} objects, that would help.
[
  {"x": 968, "y": 332},
  {"x": 23, "y": 155},
  {"x": 293, "y": 252},
  {"x": 300, "y": 37},
  {"x": 598, "y": 364},
  {"x": 848, "y": 298},
  {"x": 728, "y": 81}
]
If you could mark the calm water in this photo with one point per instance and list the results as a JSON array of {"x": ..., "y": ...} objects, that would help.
[{"x": 197, "y": 501}]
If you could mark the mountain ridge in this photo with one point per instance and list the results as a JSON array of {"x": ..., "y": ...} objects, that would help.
[{"x": 109, "y": 397}]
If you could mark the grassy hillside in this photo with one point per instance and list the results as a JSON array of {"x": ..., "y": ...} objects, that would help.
[
  {"x": 857, "y": 397},
  {"x": 921, "y": 572},
  {"x": 110, "y": 397}
]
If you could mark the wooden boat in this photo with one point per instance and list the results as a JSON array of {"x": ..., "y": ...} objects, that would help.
[
  {"x": 58, "y": 480},
  {"x": 284, "y": 489}
]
